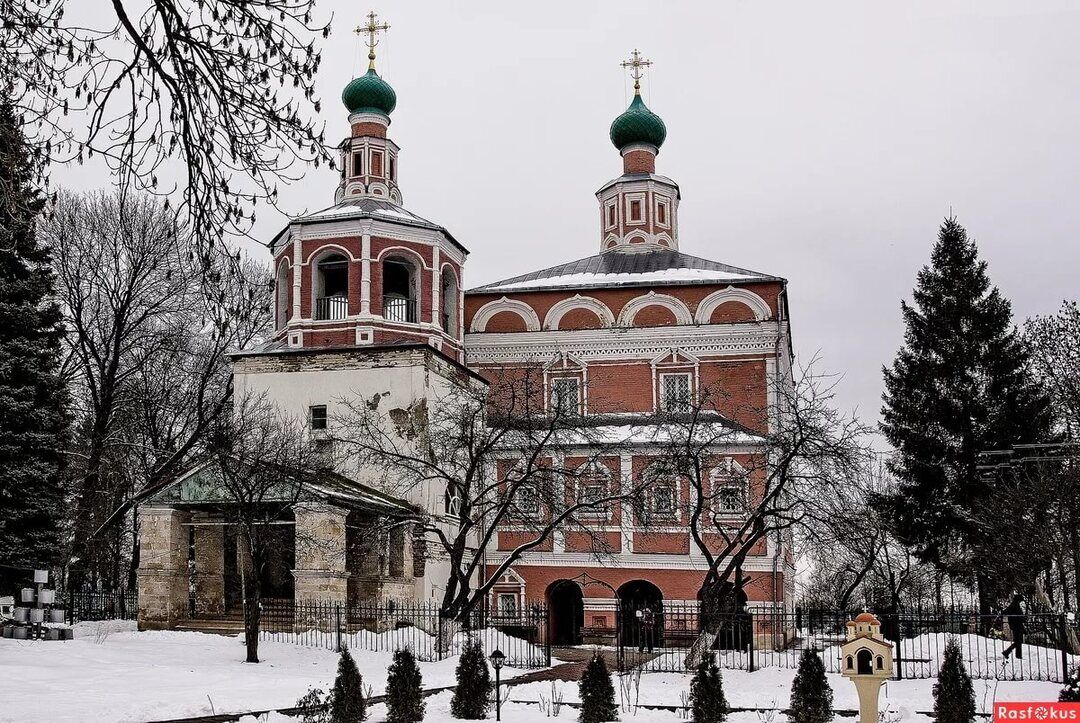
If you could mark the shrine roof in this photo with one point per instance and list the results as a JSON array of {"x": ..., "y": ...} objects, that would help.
[
  {"x": 627, "y": 269},
  {"x": 369, "y": 208}
]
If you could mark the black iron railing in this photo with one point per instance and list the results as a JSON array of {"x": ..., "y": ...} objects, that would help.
[
  {"x": 387, "y": 626},
  {"x": 331, "y": 308},
  {"x": 98, "y": 605},
  {"x": 399, "y": 308},
  {"x": 766, "y": 638}
]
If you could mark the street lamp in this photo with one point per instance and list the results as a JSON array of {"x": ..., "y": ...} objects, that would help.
[{"x": 497, "y": 659}]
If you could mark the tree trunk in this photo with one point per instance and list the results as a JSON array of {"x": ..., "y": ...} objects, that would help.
[{"x": 252, "y": 601}]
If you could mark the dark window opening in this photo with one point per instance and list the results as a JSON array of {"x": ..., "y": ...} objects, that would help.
[
  {"x": 332, "y": 287},
  {"x": 317, "y": 416},
  {"x": 399, "y": 298},
  {"x": 376, "y": 164},
  {"x": 635, "y": 210},
  {"x": 358, "y": 164},
  {"x": 449, "y": 303},
  {"x": 393, "y": 168}
]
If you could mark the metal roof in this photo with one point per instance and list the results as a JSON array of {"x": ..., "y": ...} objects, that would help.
[
  {"x": 372, "y": 208},
  {"x": 627, "y": 269}
]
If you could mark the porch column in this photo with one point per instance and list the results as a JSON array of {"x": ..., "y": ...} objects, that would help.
[
  {"x": 209, "y": 564},
  {"x": 320, "y": 572},
  {"x": 163, "y": 572}
]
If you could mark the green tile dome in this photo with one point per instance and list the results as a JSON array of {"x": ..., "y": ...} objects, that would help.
[
  {"x": 369, "y": 94},
  {"x": 638, "y": 124}
]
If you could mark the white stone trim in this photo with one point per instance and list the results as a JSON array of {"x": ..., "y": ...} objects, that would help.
[
  {"x": 324, "y": 249},
  {"x": 559, "y": 309},
  {"x": 638, "y": 560},
  {"x": 676, "y": 306},
  {"x": 625, "y": 344},
  {"x": 711, "y": 302},
  {"x": 484, "y": 314},
  {"x": 408, "y": 252}
]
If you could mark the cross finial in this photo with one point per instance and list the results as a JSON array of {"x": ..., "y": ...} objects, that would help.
[
  {"x": 636, "y": 63},
  {"x": 372, "y": 28}
]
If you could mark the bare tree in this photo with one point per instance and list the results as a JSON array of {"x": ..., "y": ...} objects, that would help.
[
  {"x": 219, "y": 93},
  {"x": 149, "y": 334},
  {"x": 262, "y": 462},
  {"x": 503, "y": 461},
  {"x": 752, "y": 484}
]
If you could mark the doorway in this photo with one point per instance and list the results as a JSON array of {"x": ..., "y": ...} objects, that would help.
[
  {"x": 567, "y": 609},
  {"x": 641, "y": 606}
]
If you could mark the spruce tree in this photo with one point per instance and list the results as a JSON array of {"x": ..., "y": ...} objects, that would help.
[
  {"x": 472, "y": 695},
  {"x": 347, "y": 703},
  {"x": 959, "y": 385},
  {"x": 1071, "y": 692},
  {"x": 811, "y": 695},
  {"x": 404, "y": 689},
  {"x": 707, "y": 701},
  {"x": 32, "y": 398},
  {"x": 954, "y": 696},
  {"x": 597, "y": 693}
]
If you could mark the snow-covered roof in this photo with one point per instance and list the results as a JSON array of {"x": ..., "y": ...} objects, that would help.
[
  {"x": 627, "y": 269},
  {"x": 371, "y": 208}
]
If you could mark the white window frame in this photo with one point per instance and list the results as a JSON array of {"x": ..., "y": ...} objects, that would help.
[
  {"x": 640, "y": 197},
  {"x": 666, "y": 203},
  {"x": 555, "y": 397},
  {"x": 722, "y": 480},
  {"x": 609, "y": 222},
  {"x": 662, "y": 397}
]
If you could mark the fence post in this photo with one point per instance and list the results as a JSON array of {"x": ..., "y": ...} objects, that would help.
[
  {"x": 899, "y": 662},
  {"x": 750, "y": 645},
  {"x": 337, "y": 620},
  {"x": 1064, "y": 647}
]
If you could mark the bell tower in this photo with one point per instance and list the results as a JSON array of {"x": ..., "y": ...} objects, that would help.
[
  {"x": 369, "y": 159},
  {"x": 639, "y": 209}
]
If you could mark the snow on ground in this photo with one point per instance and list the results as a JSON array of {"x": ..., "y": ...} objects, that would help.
[{"x": 111, "y": 676}]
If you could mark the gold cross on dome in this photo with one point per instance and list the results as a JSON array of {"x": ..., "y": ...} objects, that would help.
[
  {"x": 636, "y": 63},
  {"x": 372, "y": 28}
]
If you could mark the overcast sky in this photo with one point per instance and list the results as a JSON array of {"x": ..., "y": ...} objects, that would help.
[{"x": 820, "y": 141}]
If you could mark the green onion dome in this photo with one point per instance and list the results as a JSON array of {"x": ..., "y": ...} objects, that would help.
[
  {"x": 369, "y": 94},
  {"x": 638, "y": 124}
]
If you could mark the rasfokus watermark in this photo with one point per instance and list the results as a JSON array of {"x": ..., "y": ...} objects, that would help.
[{"x": 1036, "y": 711}]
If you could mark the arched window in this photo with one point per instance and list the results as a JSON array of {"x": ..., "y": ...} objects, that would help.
[
  {"x": 331, "y": 284},
  {"x": 449, "y": 296},
  {"x": 399, "y": 290},
  {"x": 281, "y": 293}
]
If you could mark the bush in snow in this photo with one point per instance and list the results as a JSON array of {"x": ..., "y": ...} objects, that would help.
[
  {"x": 811, "y": 696},
  {"x": 707, "y": 701},
  {"x": 311, "y": 708},
  {"x": 347, "y": 704},
  {"x": 954, "y": 696},
  {"x": 1071, "y": 692},
  {"x": 597, "y": 693},
  {"x": 404, "y": 689},
  {"x": 472, "y": 695}
]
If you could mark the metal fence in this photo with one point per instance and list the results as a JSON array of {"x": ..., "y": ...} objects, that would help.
[
  {"x": 522, "y": 636},
  {"x": 99, "y": 605},
  {"x": 762, "y": 639}
]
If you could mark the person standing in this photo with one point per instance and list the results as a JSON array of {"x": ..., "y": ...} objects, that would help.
[{"x": 648, "y": 626}]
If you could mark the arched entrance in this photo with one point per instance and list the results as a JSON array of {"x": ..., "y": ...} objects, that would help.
[
  {"x": 641, "y": 606},
  {"x": 567, "y": 609}
]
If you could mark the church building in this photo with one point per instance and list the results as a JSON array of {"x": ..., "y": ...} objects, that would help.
[{"x": 369, "y": 300}]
